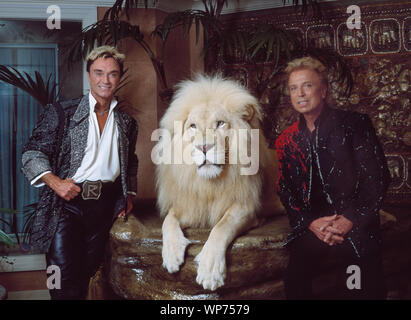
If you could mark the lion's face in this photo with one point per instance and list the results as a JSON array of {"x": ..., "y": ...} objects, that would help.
[
  {"x": 208, "y": 128},
  {"x": 215, "y": 118}
]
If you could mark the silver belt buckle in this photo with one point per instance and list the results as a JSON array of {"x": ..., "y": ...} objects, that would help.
[{"x": 91, "y": 190}]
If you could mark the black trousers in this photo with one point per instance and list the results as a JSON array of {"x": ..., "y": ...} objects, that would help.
[
  {"x": 80, "y": 240},
  {"x": 309, "y": 256}
]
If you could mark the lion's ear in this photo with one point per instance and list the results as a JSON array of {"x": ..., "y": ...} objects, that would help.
[{"x": 248, "y": 112}]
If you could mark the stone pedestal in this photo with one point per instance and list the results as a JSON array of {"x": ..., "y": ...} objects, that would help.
[{"x": 256, "y": 261}]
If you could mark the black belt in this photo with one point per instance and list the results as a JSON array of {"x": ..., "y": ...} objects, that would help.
[{"x": 92, "y": 190}]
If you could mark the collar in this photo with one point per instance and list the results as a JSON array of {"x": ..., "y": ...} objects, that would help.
[
  {"x": 302, "y": 126},
  {"x": 93, "y": 102}
]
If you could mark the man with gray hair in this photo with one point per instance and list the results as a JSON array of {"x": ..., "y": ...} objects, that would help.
[
  {"x": 83, "y": 152},
  {"x": 332, "y": 179}
]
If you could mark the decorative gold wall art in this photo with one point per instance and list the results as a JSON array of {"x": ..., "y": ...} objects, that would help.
[
  {"x": 385, "y": 36},
  {"x": 379, "y": 58},
  {"x": 321, "y": 36},
  {"x": 406, "y": 33},
  {"x": 352, "y": 42}
]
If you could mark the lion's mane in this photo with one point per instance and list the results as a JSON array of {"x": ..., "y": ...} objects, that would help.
[{"x": 201, "y": 202}]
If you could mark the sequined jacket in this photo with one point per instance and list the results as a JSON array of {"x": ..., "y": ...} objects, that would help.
[
  {"x": 42, "y": 153},
  {"x": 352, "y": 170}
]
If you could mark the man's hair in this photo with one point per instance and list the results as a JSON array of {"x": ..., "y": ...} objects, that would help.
[
  {"x": 105, "y": 52},
  {"x": 308, "y": 63}
]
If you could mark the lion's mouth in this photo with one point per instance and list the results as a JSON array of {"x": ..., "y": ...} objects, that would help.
[
  {"x": 209, "y": 170},
  {"x": 209, "y": 163}
]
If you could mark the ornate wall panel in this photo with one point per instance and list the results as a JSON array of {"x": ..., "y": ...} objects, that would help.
[{"x": 380, "y": 61}]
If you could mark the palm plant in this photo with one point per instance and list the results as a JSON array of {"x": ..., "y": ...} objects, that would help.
[
  {"x": 4, "y": 237},
  {"x": 43, "y": 92},
  {"x": 28, "y": 211},
  {"x": 217, "y": 39}
]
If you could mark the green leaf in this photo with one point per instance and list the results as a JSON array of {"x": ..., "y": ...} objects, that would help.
[
  {"x": 5, "y": 238},
  {"x": 35, "y": 87}
]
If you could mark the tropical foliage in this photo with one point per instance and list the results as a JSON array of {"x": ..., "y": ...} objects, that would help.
[
  {"x": 43, "y": 92},
  {"x": 247, "y": 45},
  {"x": 265, "y": 47},
  {"x": 28, "y": 212}
]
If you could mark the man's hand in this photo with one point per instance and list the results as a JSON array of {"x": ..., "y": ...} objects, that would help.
[
  {"x": 342, "y": 224},
  {"x": 124, "y": 214},
  {"x": 326, "y": 231},
  {"x": 66, "y": 189}
]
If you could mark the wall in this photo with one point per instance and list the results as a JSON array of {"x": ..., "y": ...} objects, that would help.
[
  {"x": 36, "y": 32},
  {"x": 379, "y": 58},
  {"x": 143, "y": 93}
]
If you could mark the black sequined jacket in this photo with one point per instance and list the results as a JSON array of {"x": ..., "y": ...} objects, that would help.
[
  {"x": 352, "y": 169},
  {"x": 42, "y": 153}
]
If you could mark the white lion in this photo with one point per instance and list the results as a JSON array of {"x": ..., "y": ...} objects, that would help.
[{"x": 217, "y": 180}]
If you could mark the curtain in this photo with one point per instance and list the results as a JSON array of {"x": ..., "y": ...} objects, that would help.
[{"x": 18, "y": 115}]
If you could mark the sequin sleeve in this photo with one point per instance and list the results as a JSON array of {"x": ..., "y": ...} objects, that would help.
[
  {"x": 372, "y": 171},
  {"x": 132, "y": 159},
  {"x": 299, "y": 217},
  {"x": 38, "y": 151}
]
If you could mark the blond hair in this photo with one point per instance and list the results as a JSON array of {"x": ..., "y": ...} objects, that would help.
[
  {"x": 105, "y": 52},
  {"x": 308, "y": 63}
]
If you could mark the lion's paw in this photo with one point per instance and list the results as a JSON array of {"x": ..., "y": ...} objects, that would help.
[
  {"x": 211, "y": 270},
  {"x": 173, "y": 251}
]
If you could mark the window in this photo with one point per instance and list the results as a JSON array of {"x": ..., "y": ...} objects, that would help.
[{"x": 18, "y": 115}]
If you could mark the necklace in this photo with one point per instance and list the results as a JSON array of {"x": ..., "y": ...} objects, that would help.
[{"x": 102, "y": 112}]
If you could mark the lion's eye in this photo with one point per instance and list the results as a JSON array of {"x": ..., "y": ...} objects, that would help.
[
  {"x": 193, "y": 126},
  {"x": 220, "y": 124}
]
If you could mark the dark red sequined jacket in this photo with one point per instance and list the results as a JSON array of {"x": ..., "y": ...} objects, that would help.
[{"x": 352, "y": 168}]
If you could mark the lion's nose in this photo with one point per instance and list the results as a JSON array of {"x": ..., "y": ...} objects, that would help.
[{"x": 204, "y": 147}]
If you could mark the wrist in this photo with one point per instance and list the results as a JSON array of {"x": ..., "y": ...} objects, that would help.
[{"x": 51, "y": 180}]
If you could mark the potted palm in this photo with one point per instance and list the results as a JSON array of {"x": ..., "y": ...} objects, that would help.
[{"x": 44, "y": 92}]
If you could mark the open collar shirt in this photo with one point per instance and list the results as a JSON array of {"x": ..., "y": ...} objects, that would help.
[{"x": 101, "y": 158}]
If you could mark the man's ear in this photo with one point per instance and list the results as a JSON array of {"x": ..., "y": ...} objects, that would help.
[{"x": 248, "y": 112}]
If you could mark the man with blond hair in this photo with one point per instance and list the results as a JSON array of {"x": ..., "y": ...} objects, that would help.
[
  {"x": 332, "y": 180},
  {"x": 83, "y": 152}
]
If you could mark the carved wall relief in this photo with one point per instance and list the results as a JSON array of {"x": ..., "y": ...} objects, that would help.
[
  {"x": 379, "y": 58},
  {"x": 352, "y": 42},
  {"x": 321, "y": 36},
  {"x": 385, "y": 36},
  {"x": 406, "y": 33}
]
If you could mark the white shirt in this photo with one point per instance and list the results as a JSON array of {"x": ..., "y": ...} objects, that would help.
[{"x": 101, "y": 159}]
